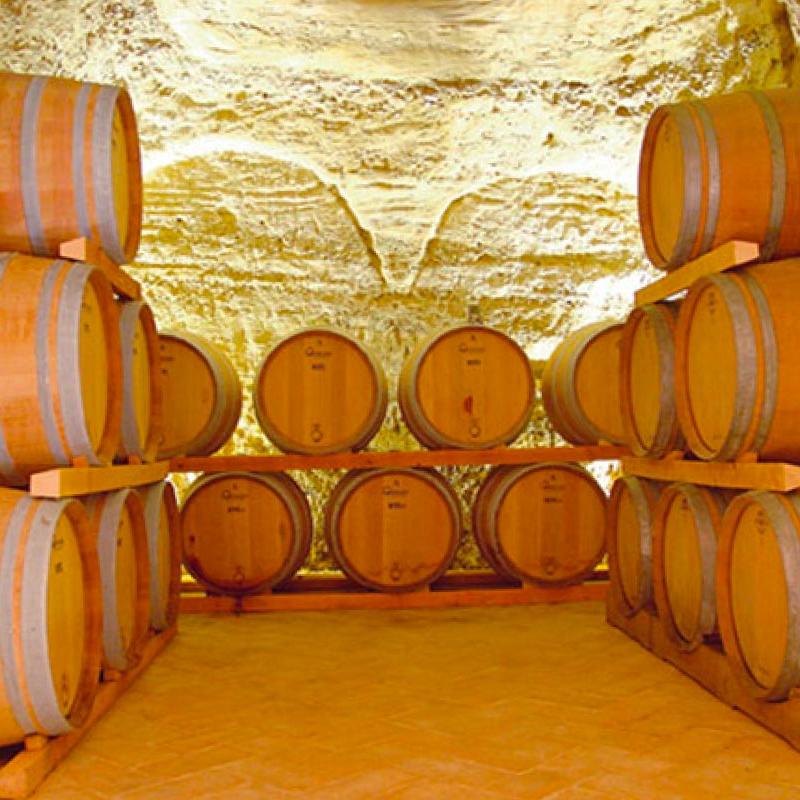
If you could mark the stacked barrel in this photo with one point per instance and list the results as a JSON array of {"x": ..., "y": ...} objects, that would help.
[
  {"x": 320, "y": 391},
  {"x": 81, "y": 583},
  {"x": 717, "y": 373}
]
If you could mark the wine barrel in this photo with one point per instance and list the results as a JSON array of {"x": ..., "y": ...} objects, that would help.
[
  {"x": 162, "y": 522},
  {"x": 580, "y": 385},
  {"x": 737, "y": 365},
  {"x": 719, "y": 169},
  {"x": 393, "y": 530},
  {"x": 647, "y": 382},
  {"x": 201, "y": 396},
  {"x": 50, "y": 618},
  {"x": 686, "y": 527},
  {"x": 70, "y": 166},
  {"x": 758, "y": 592},
  {"x": 541, "y": 523},
  {"x": 245, "y": 533},
  {"x": 629, "y": 537},
  {"x": 118, "y": 518},
  {"x": 60, "y": 367},
  {"x": 466, "y": 387},
  {"x": 141, "y": 382},
  {"x": 320, "y": 391}
]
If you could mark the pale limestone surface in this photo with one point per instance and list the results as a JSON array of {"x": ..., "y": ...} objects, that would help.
[{"x": 395, "y": 166}]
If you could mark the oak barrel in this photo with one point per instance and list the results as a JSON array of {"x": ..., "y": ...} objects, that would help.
[
  {"x": 60, "y": 366},
  {"x": 50, "y": 617},
  {"x": 393, "y": 530},
  {"x": 580, "y": 385},
  {"x": 69, "y": 166},
  {"x": 141, "y": 382},
  {"x": 245, "y": 533},
  {"x": 118, "y": 518},
  {"x": 647, "y": 381},
  {"x": 320, "y": 391},
  {"x": 629, "y": 539},
  {"x": 737, "y": 364},
  {"x": 541, "y": 523},
  {"x": 758, "y": 592},
  {"x": 466, "y": 387},
  {"x": 201, "y": 395},
  {"x": 686, "y": 527},
  {"x": 719, "y": 169},
  {"x": 163, "y": 526}
]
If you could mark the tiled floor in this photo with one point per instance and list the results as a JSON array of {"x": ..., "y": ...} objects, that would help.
[{"x": 475, "y": 703}]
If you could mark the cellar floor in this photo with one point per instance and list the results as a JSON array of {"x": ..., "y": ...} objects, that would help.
[{"x": 526, "y": 702}]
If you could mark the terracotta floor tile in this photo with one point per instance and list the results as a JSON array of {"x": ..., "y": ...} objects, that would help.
[{"x": 474, "y": 704}]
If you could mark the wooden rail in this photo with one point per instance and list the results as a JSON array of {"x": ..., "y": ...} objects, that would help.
[
  {"x": 726, "y": 256},
  {"x": 75, "y": 481},
  {"x": 707, "y": 665},
  {"x": 89, "y": 252},
  {"x": 395, "y": 459},
  {"x": 776, "y": 477},
  {"x": 24, "y": 772}
]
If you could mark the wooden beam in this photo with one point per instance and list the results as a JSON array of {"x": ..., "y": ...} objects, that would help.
[
  {"x": 89, "y": 252},
  {"x": 73, "y": 481},
  {"x": 726, "y": 256},
  {"x": 734, "y": 475},
  {"x": 429, "y": 598},
  {"x": 417, "y": 458},
  {"x": 21, "y": 776}
]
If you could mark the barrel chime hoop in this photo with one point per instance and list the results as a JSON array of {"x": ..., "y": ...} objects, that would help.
[
  {"x": 78, "y": 160},
  {"x": 7, "y": 465},
  {"x": 666, "y": 369},
  {"x": 692, "y": 167},
  {"x": 43, "y": 363},
  {"x": 746, "y": 365},
  {"x": 28, "y": 166},
  {"x": 708, "y": 551},
  {"x": 113, "y": 503},
  {"x": 103, "y": 172},
  {"x": 555, "y": 400},
  {"x": 152, "y": 514},
  {"x": 642, "y": 509},
  {"x": 570, "y": 400},
  {"x": 778, "y": 197},
  {"x": 69, "y": 363},
  {"x": 10, "y": 553},
  {"x": 770, "y": 350},
  {"x": 713, "y": 190},
  {"x": 132, "y": 438},
  {"x": 219, "y": 403},
  {"x": 789, "y": 548},
  {"x": 34, "y": 618}
]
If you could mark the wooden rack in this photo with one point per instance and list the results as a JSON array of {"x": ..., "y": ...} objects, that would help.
[
  {"x": 727, "y": 256},
  {"x": 395, "y": 459},
  {"x": 27, "y": 766},
  {"x": 81, "y": 480},
  {"x": 776, "y": 477},
  {"x": 90, "y": 252},
  {"x": 457, "y": 589}
]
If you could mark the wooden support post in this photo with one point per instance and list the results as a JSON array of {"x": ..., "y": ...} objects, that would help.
[
  {"x": 726, "y": 256},
  {"x": 89, "y": 252}
]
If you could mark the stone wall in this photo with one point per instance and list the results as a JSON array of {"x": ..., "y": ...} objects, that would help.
[{"x": 395, "y": 166}]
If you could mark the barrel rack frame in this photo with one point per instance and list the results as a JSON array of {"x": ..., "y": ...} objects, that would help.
[
  {"x": 707, "y": 664},
  {"x": 25, "y": 766},
  {"x": 455, "y": 589}
]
